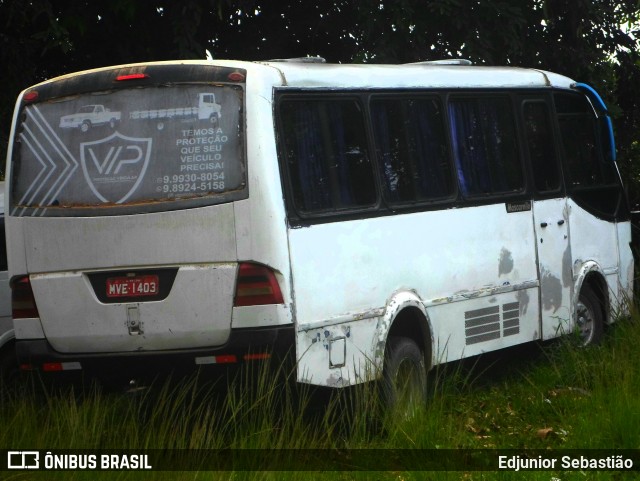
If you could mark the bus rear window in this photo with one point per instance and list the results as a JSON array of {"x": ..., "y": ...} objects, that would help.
[{"x": 130, "y": 150}]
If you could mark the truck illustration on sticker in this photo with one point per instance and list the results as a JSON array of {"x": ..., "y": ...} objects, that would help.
[
  {"x": 89, "y": 116},
  {"x": 207, "y": 109}
]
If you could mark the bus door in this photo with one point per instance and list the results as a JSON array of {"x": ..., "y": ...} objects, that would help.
[
  {"x": 554, "y": 265},
  {"x": 551, "y": 219}
]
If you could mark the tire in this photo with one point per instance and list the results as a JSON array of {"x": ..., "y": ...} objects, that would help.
[
  {"x": 85, "y": 126},
  {"x": 589, "y": 317},
  {"x": 213, "y": 119},
  {"x": 404, "y": 377},
  {"x": 112, "y": 123},
  {"x": 160, "y": 125}
]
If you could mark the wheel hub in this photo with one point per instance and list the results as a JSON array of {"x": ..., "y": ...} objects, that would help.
[{"x": 585, "y": 322}]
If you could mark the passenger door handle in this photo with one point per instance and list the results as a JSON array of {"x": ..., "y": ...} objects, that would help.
[
  {"x": 543, "y": 224},
  {"x": 561, "y": 221}
]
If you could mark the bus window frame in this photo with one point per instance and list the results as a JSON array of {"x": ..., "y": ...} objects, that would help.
[
  {"x": 576, "y": 193},
  {"x": 293, "y": 212},
  {"x": 417, "y": 95},
  {"x": 490, "y": 197},
  {"x": 561, "y": 191}
]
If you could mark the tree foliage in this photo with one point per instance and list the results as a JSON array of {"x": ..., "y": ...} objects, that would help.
[{"x": 590, "y": 40}]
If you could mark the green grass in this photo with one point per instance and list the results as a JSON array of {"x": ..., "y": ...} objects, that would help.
[{"x": 558, "y": 396}]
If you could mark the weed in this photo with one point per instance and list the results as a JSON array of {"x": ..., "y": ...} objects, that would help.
[{"x": 554, "y": 395}]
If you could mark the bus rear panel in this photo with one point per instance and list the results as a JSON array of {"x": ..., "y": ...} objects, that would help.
[{"x": 125, "y": 182}]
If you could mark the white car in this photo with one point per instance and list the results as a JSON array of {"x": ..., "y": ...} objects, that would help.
[
  {"x": 7, "y": 354},
  {"x": 90, "y": 116}
]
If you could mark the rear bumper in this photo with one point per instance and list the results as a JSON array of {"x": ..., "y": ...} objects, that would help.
[{"x": 243, "y": 345}]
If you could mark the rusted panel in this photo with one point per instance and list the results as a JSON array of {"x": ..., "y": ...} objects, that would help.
[{"x": 314, "y": 354}]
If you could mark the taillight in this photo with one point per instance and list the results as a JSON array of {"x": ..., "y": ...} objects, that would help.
[
  {"x": 236, "y": 77},
  {"x": 132, "y": 76},
  {"x": 257, "y": 285},
  {"x": 23, "y": 303},
  {"x": 31, "y": 96}
]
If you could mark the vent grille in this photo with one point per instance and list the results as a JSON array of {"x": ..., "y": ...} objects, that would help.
[
  {"x": 511, "y": 319},
  {"x": 482, "y": 324},
  {"x": 487, "y": 324}
]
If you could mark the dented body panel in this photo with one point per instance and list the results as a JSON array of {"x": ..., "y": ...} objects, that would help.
[
  {"x": 599, "y": 253},
  {"x": 423, "y": 270}
]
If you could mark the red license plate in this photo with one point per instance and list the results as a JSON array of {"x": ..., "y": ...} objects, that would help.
[{"x": 133, "y": 286}]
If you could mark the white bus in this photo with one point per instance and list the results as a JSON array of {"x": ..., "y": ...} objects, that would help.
[{"x": 375, "y": 220}]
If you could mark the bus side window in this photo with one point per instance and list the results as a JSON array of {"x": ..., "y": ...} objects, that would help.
[
  {"x": 540, "y": 146},
  {"x": 3, "y": 247},
  {"x": 592, "y": 176},
  {"x": 412, "y": 149},
  {"x": 484, "y": 146},
  {"x": 578, "y": 133},
  {"x": 325, "y": 146}
]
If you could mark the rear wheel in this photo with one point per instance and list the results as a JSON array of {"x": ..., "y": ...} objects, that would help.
[
  {"x": 85, "y": 126},
  {"x": 404, "y": 376},
  {"x": 589, "y": 317}
]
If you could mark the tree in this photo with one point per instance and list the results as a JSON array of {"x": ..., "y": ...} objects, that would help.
[
  {"x": 41, "y": 39},
  {"x": 593, "y": 41},
  {"x": 583, "y": 39}
]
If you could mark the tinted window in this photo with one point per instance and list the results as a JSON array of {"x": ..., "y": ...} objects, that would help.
[
  {"x": 412, "y": 149},
  {"x": 578, "y": 131},
  {"x": 326, "y": 152},
  {"x": 484, "y": 146},
  {"x": 3, "y": 247},
  {"x": 592, "y": 177},
  {"x": 572, "y": 104},
  {"x": 130, "y": 150},
  {"x": 540, "y": 146}
]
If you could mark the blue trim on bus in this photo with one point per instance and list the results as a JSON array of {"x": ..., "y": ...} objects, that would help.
[
  {"x": 595, "y": 96},
  {"x": 591, "y": 92}
]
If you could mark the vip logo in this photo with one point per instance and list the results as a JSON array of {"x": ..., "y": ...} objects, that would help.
[{"x": 114, "y": 166}]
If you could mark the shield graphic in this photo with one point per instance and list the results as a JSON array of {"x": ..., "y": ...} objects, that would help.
[{"x": 115, "y": 166}]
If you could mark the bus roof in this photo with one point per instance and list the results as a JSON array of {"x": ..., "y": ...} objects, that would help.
[
  {"x": 421, "y": 75},
  {"x": 300, "y": 74}
]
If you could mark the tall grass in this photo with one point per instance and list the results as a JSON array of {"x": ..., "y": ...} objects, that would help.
[{"x": 557, "y": 396}]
